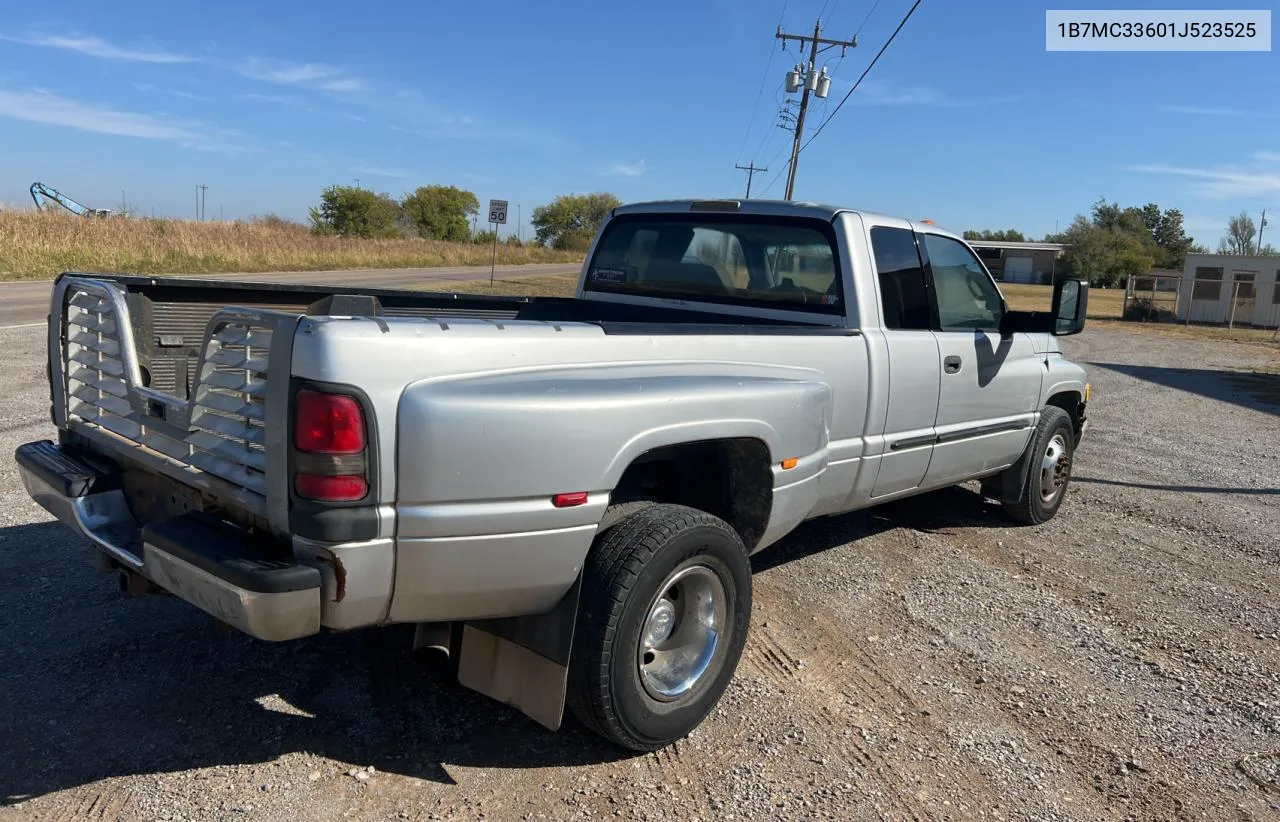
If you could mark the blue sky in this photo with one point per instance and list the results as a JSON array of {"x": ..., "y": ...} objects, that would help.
[{"x": 966, "y": 120}]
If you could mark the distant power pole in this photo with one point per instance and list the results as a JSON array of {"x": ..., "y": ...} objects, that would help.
[
  {"x": 357, "y": 182},
  {"x": 200, "y": 202},
  {"x": 804, "y": 74},
  {"x": 519, "y": 224},
  {"x": 1261, "y": 226},
  {"x": 752, "y": 170}
]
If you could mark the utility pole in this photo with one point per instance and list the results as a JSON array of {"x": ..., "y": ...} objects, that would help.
[
  {"x": 812, "y": 83},
  {"x": 357, "y": 182},
  {"x": 1261, "y": 226},
  {"x": 519, "y": 225},
  {"x": 202, "y": 211},
  {"x": 752, "y": 170}
]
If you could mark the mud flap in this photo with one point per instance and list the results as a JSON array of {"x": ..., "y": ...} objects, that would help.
[
  {"x": 1011, "y": 483},
  {"x": 523, "y": 661}
]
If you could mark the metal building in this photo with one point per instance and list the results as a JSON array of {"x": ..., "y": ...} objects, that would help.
[
  {"x": 1020, "y": 262},
  {"x": 1224, "y": 288}
]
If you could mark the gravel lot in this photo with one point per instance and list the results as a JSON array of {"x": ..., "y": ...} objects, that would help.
[{"x": 921, "y": 661}]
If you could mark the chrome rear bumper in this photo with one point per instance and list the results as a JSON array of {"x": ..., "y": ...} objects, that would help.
[{"x": 211, "y": 565}]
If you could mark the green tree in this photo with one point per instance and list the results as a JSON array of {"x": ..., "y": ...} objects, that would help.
[
  {"x": 571, "y": 221},
  {"x": 1167, "y": 231},
  {"x": 1010, "y": 235},
  {"x": 1108, "y": 247},
  {"x": 355, "y": 212},
  {"x": 441, "y": 212}
]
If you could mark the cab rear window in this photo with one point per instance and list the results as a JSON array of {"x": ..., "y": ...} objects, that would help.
[{"x": 734, "y": 259}]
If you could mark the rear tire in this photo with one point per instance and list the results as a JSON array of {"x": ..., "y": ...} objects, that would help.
[
  {"x": 664, "y": 613},
  {"x": 1050, "y": 453}
]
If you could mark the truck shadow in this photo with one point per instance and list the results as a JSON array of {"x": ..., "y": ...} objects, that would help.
[
  {"x": 99, "y": 684},
  {"x": 1253, "y": 390},
  {"x": 954, "y": 507}
]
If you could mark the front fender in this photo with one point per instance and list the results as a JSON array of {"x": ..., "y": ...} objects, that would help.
[{"x": 1062, "y": 376}]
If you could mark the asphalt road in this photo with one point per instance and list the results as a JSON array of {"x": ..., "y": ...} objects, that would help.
[{"x": 27, "y": 302}]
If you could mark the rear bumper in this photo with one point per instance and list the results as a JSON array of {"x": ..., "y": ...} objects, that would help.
[{"x": 210, "y": 564}]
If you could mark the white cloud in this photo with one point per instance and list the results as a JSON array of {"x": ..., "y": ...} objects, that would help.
[
  {"x": 186, "y": 95},
  {"x": 319, "y": 76},
  {"x": 39, "y": 106},
  {"x": 884, "y": 94},
  {"x": 1261, "y": 178},
  {"x": 97, "y": 47},
  {"x": 313, "y": 75},
  {"x": 342, "y": 86},
  {"x": 1204, "y": 111},
  {"x": 626, "y": 169}
]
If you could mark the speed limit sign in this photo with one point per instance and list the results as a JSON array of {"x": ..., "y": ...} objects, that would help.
[{"x": 498, "y": 212}]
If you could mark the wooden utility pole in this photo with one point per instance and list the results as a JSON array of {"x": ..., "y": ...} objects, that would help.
[
  {"x": 752, "y": 170},
  {"x": 810, "y": 84}
]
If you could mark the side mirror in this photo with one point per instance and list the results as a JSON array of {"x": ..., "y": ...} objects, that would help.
[{"x": 1070, "y": 305}]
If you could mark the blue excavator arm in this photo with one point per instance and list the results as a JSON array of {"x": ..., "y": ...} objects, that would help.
[{"x": 43, "y": 194}]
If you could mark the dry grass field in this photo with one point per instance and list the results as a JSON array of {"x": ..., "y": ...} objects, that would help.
[{"x": 36, "y": 245}]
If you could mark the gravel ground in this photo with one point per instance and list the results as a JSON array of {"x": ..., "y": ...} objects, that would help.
[{"x": 921, "y": 661}]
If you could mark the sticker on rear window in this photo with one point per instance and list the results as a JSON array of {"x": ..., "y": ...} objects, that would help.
[{"x": 609, "y": 275}]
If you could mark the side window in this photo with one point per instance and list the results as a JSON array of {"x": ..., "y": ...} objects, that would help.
[
  {"x": 902, "y": 284},
  {"x": 967, "y": 299}
]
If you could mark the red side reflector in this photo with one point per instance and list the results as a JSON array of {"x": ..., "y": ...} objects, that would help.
[
  {"x": 327, "y": 424},
  {"x": 569, "y": 500},
  {"x": 330, "y": 489}
]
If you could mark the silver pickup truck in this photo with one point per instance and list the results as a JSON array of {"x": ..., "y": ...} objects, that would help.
[{"x": 561, "y": 494}]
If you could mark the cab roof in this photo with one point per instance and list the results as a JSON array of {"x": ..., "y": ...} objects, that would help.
[{"x": 780, "y": 208}]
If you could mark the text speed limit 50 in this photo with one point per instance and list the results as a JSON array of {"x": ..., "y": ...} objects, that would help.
[{"x": 498, "y": 212}]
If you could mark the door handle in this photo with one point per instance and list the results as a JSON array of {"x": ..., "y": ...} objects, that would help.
[{"x": 951, "y": 365}]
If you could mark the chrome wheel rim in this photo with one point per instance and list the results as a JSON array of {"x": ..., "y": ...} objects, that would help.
[
  {"x": 682, "y": 632},
  {"x": 1055, "y": 468}
]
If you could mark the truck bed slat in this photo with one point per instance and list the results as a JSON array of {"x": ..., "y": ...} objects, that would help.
[
  {"x": 95, "y": 360},
  {"x": 236, "y": 406}
]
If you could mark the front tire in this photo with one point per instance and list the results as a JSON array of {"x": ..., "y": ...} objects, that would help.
[
  {"x": 1052, "y": 448},
  {"x": 664, "y": 613}
]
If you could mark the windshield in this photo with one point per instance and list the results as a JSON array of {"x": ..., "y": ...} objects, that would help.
[{"x": 765, "y": 261}]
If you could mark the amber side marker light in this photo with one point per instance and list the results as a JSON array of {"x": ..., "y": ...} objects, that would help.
[{"x": 789, "y": 463}]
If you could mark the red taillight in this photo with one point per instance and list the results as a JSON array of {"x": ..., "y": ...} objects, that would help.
[
  {"x": 330, "y": 489},
  {"x": 327, "y": 424},
  {"x": 330, "y": 463},
  {"x": 569, "y": 500}
]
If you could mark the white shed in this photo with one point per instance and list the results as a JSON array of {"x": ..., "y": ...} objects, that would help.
[{"x": 1220, "y": 288}]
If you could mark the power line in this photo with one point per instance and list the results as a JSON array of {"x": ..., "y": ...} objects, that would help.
[
  {"x": 874, "y": 60},
  {"x": 874, "y": 6},
  {"x": 760, "y": 92}
]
